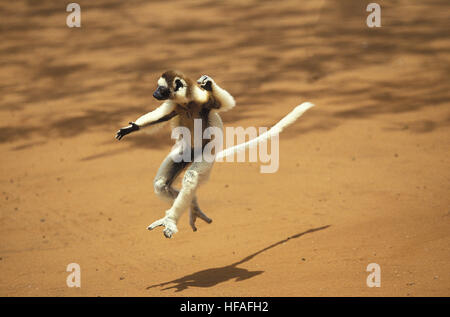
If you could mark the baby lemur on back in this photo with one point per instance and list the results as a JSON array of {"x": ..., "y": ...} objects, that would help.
[{"x": 184, "y": 102}]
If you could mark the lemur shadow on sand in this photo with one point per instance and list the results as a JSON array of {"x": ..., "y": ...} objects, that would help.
[{"x": 214, "y": 276}]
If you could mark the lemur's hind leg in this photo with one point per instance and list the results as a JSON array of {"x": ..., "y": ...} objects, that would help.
[
  {"x": 194, "y": 213},
  {"x": 196, "y": 173},
  {"x": 166, "y": 191},
  {"x": 166, "y": 175}
]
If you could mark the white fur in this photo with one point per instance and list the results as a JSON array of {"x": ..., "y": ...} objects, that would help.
[
  {"x": 166, "y": 108},
  {"x": 226, "y": 100},
  {"x": 199, "y": 95},
  {"x": 191, "y": 180},
  {"x": 160, "y": 187},
  {"x": 277, "y": 128},
  {"x": 192, "y": 177},
  {"x": 215, "y": 120},
  {"x": 168, "y": 223},
  {"x": 162, "y": 82},
  {"x": 186, "y": 195}
]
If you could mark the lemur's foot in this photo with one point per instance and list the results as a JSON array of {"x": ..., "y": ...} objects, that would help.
[
  {"x": 205, "y": 82},
  {"x": 168, "y": 223},
  {"x": 194, "y": 213}
]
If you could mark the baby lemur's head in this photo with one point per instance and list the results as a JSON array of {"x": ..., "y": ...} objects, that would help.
[{"x": 175, "y": 86}]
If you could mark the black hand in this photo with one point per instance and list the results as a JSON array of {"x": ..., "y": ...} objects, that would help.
[
  {"x": 207, "y": 86},
  {"x": 124, "y": 131}
]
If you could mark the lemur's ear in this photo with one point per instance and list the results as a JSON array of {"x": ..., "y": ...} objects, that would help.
[{"x": 178, "y": 84}]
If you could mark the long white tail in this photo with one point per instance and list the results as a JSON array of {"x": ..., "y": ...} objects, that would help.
[{"x": 290, "y": 118}]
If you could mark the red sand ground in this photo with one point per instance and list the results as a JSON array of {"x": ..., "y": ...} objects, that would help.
[{"x": 364, "y": 176}]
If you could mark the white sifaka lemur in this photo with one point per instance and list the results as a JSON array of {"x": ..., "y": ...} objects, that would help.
[{"x": 184, "y": 103}]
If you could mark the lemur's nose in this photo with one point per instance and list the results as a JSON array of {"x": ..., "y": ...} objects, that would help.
[{"x": 161, "y": 93}]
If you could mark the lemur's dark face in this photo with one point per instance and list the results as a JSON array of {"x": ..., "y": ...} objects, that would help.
[
  {"x": 172, "y": 85},
  {"x": 162, "y": 92}
]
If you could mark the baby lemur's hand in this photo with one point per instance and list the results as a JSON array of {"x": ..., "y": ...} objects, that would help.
[
  {"x": 126, "y": 130},
  {"x": 205, "y": 82}
]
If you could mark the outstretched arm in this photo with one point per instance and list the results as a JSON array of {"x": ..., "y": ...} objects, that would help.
[
  {"x": 222, "y": 100},
  {"x": 161, "y": 114}
]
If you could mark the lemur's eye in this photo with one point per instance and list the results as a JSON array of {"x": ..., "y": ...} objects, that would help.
[{"x": 178, "y": 84}]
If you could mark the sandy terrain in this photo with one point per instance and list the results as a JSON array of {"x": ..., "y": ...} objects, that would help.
[{"x": 364, "y": 176}]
